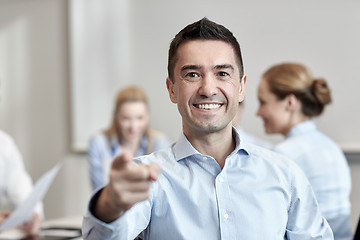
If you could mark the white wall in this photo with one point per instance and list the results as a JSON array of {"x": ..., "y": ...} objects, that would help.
[
  {"x": 133, "y": 46},
  {"x": 35, "y": 106}
]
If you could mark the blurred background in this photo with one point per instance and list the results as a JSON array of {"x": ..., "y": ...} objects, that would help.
[{"x": 62, "y": 61}]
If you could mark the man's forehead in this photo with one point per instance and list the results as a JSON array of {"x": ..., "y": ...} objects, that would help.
[
  {"x": 199, "y": 43},
  {"x": 206, "y": 52}
]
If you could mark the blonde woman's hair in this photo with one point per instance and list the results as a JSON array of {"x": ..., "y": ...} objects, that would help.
[{"x": 294, "y": 78}]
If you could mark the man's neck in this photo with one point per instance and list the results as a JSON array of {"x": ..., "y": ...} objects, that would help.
[{"x": 218, "y": 145}]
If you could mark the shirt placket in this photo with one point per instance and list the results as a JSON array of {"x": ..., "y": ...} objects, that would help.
[{"x": 226, "y": 217}]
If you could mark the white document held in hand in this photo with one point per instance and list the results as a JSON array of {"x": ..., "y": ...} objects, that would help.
[{"x": 25, "y": 211}]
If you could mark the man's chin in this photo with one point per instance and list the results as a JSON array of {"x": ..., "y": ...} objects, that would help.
[{"x": 210, "y": 128}]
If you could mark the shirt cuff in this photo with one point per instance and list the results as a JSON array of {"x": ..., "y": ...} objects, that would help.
[{"x": 94, "y": 228}]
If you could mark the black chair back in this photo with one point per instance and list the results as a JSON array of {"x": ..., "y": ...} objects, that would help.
[{"x": 357, "y": 232}]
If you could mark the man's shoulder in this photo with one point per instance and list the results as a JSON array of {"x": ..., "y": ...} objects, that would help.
[
  {"x": 277, "y": 165},
  {"x": 270, "y": 158},
  {"x": 262, "y": 152}
]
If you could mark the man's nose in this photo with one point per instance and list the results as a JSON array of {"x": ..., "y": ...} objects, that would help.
[{"x": 208, "y": 86}]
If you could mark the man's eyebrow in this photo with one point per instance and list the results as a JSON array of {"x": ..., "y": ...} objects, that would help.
[
  {"x": 224, "y": 66},
  {"x": 190, "y": 67}
]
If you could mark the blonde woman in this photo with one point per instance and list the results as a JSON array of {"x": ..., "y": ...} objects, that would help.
[
  {"x": 129, "y": 132},
  {"x": 289, "y": 98}
]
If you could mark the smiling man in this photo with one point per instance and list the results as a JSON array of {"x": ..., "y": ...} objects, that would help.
[
  {"x": 210, "y": 184},
  {"x": 206, "y": 87}
]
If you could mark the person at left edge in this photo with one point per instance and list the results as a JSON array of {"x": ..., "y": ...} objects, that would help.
[{"x": 16, "y": 185}]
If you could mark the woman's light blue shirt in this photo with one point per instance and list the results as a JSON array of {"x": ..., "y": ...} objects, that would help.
[
  {"x": 325, "y": 165},
  {"x": 258, "y": 194},
  {"x": 102, "y": 150}
]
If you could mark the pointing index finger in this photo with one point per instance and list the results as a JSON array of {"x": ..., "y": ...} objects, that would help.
[{"x": 122, "y": 160}]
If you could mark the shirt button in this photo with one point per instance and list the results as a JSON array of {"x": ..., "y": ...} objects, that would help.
[
  {"x": 204, "y": 158},
  {"x": 220, "y": 179},
  {"x": 226, "y": 215}
]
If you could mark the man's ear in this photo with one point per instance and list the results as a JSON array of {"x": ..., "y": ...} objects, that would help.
[
  {"x": 170, "y": 88},
  {"x": 242, "y": 88}
]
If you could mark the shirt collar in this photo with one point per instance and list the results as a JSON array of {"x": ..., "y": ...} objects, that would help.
[
  {"x": 183, "y": 148},
  {"x": 303, "y": 127}
]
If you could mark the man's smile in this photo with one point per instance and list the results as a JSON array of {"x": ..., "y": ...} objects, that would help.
[{"x": 208, "y": 106}]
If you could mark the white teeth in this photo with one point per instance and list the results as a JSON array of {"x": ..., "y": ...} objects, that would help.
[{"x": 208, "y": 106}]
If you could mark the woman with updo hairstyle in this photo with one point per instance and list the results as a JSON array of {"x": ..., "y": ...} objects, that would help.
[
  {"x": 289, "y": 98},
  {"x": 129, "y": 131}
]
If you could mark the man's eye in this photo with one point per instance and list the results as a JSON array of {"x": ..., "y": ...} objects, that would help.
[
  {"x": 223, "y": 74},
  {"x": 192, "y": 75}
]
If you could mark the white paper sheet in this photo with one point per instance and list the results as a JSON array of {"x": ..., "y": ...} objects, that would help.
[
  {"x": 11, "y": 234},
  {"x": 25, "y": 211}
]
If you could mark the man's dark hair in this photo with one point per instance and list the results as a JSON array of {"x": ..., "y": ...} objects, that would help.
[{"x": 203, "y": 29}]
